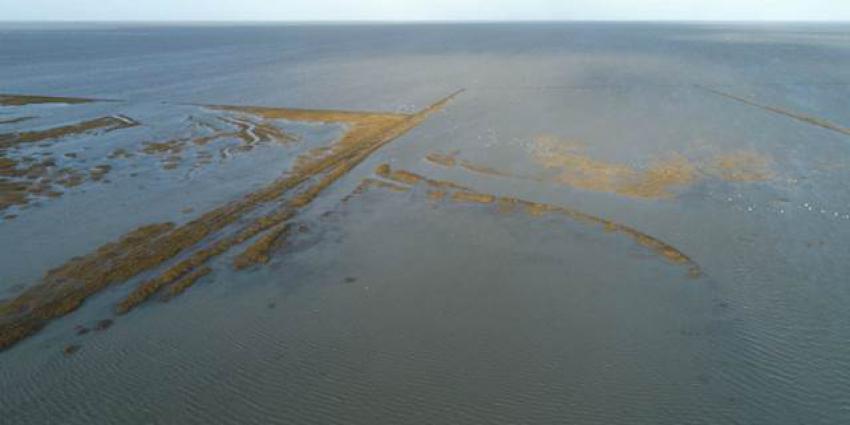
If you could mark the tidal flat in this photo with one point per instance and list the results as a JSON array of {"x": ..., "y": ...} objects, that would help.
[{"x": 441, "y": 223}]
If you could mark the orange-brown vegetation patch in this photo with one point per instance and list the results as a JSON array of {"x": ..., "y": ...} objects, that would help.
[
  {"x": 102, "y": 124},
  {"x": 174, "y": 146},
  {"x": 537, "y": 209},
  {"x": 369, "y": 183},
  {"x": 13, "y": 193},
  {"x": 441, "y": 159},
  {"x": 247, "y": 132},
  {"x": 66, "y": 288},
  {"x": 483, "y": 169},
  {"x": 451, "y": 160},
  {"x": 186, "y": 282},
  {"x": 408, "y": 178},
  {"x": 18, "y": 185},
  {"x": 741, "y": 166},
  {"x": 577, "y": 169},
  {"x": 473, "y": 197},
  {"x": 259, "y": 251},
  {"x": 572, "y": 166},
  {"x": 21, "y": 100},
  {"x": 436, "y": 195}
]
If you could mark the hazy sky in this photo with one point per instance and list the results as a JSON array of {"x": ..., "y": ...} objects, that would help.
[{"x": 424, "y": 9}]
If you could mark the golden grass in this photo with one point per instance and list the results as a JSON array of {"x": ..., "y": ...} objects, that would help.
[
  {"x": 64, "y": 289},
  {"x": 184, "y": 283},
  {"x": 103, "y": 124},
  {"x": 441, "y": 159},
  {"x": 21, "y": 100},
  {"x": 537, "y": 209},
  {"x": 259, "y": 251},
  {"x": 473, "y": 197}
]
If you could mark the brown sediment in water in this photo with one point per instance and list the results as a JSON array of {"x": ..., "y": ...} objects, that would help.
[
  {"x": 577, "y": 169},
  {"x": 507, "y": 206},
  {"x": 436, "y": 195},
  {"x": 741, "y": 166},
  {"x": 64, "y": 289},
  {"x": 573, "y": 167},
  {"x": 102, "y": 124},
  {"x": 799, "y": 116},
  {"x": 21, "y": 100},
  {"x": 658, "y": 180},
  {"x": 536, "y": 209}
]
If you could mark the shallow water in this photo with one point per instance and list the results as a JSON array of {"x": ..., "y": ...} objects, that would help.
[{"x": 396, "y": 307}]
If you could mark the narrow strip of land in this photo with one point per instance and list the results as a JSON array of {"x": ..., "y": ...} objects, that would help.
[
  {"x": 799, "y": 116},
  {"x": 442, "y": 189},
  {"x": 66, "y": 288}
]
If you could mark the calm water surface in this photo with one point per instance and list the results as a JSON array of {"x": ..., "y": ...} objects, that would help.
[{"x": 393, "y": 308}]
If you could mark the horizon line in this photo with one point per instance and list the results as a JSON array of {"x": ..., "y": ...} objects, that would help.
[{"x": 411, "y": 21}]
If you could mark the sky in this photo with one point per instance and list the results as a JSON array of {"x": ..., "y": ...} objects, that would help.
[{"x": 417, "y": 10}]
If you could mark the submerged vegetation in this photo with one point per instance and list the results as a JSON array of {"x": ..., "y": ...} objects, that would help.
[
  {"x": 21, "y": 100},
  {"x": 31, "y": 170},
  {"x": 246, "y": 131},
  {"x": 171, "y": 259},
  {"x": 23, "y": 177},
  {"x": 799, "y": 116},
  {"x": 102, "y": 124},
  {"x": 536, "y": 209},
  {"x": 567, "y": 162},
  {"x": 65, "y": 288}
]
